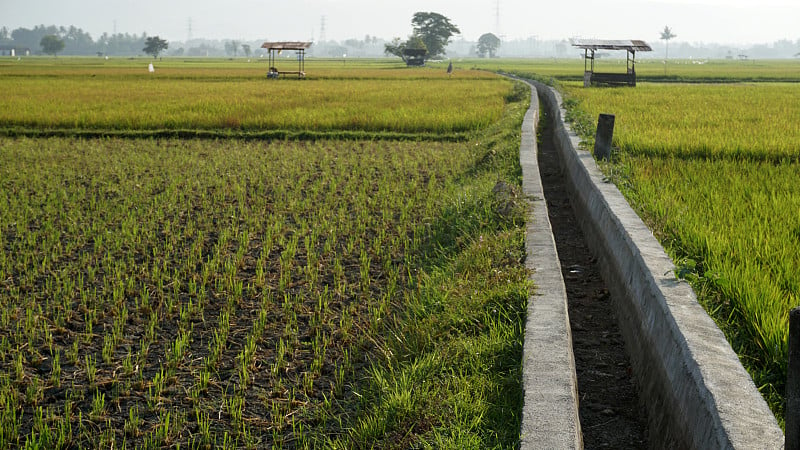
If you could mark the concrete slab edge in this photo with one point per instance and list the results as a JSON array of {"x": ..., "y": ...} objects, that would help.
[
  {"x": 698, "y": 394},
  {"x": 550, "y": 413}
]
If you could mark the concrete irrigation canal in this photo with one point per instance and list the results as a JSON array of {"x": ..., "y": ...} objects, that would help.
[{"x": 618, "y": 352}]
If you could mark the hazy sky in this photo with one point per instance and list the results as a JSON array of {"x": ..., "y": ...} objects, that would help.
[{"x": 717, "y": 21}]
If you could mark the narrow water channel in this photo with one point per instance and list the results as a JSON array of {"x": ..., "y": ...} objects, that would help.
[{"x": 611, "y": 414}]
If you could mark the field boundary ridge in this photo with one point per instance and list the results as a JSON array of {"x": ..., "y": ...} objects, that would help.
[{"x": 290, "y": 135}]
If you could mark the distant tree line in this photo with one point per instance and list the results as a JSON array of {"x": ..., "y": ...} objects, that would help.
[{"x": 76, "y": 41}]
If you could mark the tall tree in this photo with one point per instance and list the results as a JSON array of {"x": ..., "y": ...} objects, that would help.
[
  {"x": 666, "y": 35},
  {"x": 154, "y": 45},
  {"x": 435, "y": 30},
  {"x": 488, "y": 43},
  {"x": 51, "y": 44}
]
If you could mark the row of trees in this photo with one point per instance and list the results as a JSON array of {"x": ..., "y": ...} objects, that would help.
[
  {"x": 52, "y": 45},
  {"x": 76, "y": 41},
  {"x": 431, "y": 31}
]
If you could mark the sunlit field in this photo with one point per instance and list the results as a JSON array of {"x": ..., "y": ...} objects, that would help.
[
  {"x": 749, "y": 121},
  {"x": 239, "y": 292},
  {"x": 100, "y": 96}
]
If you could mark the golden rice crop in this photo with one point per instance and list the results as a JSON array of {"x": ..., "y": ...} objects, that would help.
[
  {"x": 216, "y": 98},
  {"x": 745, "y": 120},
  {"x": 650, "y": 68}
]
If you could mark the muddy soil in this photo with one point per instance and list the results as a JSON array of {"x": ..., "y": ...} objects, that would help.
[{"x": 611, "y": 414}]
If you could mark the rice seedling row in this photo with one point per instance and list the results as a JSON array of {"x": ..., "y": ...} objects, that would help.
[{"x": 133, "y": 263}]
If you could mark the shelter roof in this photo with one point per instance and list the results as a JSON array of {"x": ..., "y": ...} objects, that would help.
[
  {"x": 601, "y": 44},
  {"x": 287, "y": 45}
]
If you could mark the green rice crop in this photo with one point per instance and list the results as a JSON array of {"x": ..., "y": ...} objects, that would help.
[{"x": 240, "y": 293}]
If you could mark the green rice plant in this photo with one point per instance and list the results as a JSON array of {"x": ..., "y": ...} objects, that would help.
[
  {"x": 72, "y": 352},
  {"x": 280, "y": 355},
  {"x": 33, "y": 390},
  {"x": 133, "y": 424},
  {"x": 19, "y": 367},
  {"x": 98, "y": 406},
  {"x": 176, "y": 351},
  {"x": 205, "y": 437},
  {"x": 157, "y": 387},
  {"x": 234, "y": 407},
  {"x": 108, "y": 348},
  {"x": 90, "y": 366},
  {"x": 55, "y": 372}
]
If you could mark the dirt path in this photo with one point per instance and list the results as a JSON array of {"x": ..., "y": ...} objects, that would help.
[{"x": 610, "y": 412}]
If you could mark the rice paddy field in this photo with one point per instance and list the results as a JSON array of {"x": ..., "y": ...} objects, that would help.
[
  {"x": 335, "y": 263},
  {"x": 650, "y": 68},
  {"x": 203, "y": 258},
  {"x": 712, "y": 169},
  {"x": 202, "y": 96}
]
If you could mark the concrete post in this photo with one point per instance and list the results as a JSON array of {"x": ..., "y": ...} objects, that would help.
[
  {"x": 792, "y": 413},
  {"x": 603, "y": 137}
]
